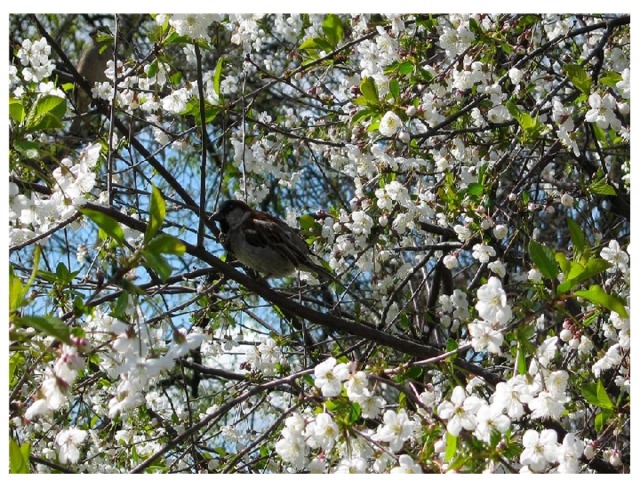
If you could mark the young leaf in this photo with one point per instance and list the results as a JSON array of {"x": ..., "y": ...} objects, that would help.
[
  {"x": 52, "y": 326},
  {"x": 544, "y": 258},
  {"x": 157, "y": 212},
  {"x": 593, "y": 267},
  {"x": 17, "y": 291},
  {"x": 19, "y": 457},
  {"x": 120, "y": 308},
  {"x": 598, "y": 296},
  {"x": 46, "y": 114},
  {"x": 166, "y": 244},
  {"x": 452, "y": 446},
  {"x": 521, "y": 362},
  {"x": 610, "y": 79},
  {"x": 578, "y": 77},
  {"x": 597, "y": 395},
  {"x": 564, "y": 262},
  {"x": 354, "y": 413},
  {"x": 333, "y": 29},
  {"x": 16, "y": 110},
  {"x": 394, "y": 88},
  {"x": 158, "y": 264},
  {"x": 406, "y": 68},
  {"x": 577, "y": 236},
  {"x": 316, "y": 43},
  {"x": 601, "y": 420},
  {"x": 108, "y": 225},
  {"x": 601, "y": 187},
  {"x": 369, "y": 90},
  {"x": 217, "y": 76}
]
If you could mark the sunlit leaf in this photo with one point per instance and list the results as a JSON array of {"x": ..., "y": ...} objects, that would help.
[
  {"x": 46, "y": 325},
  {"x": 157, "y": 212},
  {"x": 598, "y": 296},
  {"x": 544, "y": 258},
  {"x": 107, "y": 224}
]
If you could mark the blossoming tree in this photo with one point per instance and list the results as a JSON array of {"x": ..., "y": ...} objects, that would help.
[{"x": 465, "y": 178}]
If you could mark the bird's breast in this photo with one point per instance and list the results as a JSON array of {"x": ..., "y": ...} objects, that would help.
[{"x": 263, "y": 259}]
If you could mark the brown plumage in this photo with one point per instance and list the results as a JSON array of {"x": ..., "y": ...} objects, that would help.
[
  {"x": 92, "y": 64},
  {"x": 264, "y": 243}
]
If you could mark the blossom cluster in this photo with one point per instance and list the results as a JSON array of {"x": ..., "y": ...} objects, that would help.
[{"x": 448, "y": 166}]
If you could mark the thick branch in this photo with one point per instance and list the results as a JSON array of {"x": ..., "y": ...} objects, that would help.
[{"x": 291, "y": 307}]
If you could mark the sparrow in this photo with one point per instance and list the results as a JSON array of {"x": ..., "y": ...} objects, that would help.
[
  {"x": 264, "y": 243},
  {"x": 92, "y": 66}
]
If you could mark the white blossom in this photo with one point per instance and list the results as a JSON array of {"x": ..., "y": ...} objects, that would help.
[
  {"x": 396, "y": 429},
  {"x": 540, "y": 449},
  {"x": 329, "y": 377},
  {"x": 460, "y": 411},
  {"x": 492, "y": 303},
  {"x": 406, "y": 464},
  {"x": 68, "y": 442},
  {"x": 389, "y": 124}
]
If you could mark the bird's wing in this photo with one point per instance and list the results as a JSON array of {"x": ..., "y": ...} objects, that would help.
[{"x": 281, "y": 237}]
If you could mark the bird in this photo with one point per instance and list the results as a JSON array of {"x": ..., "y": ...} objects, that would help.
[
  {"x": 264, "y": 243},
  {"x": 92, "y": 66}
]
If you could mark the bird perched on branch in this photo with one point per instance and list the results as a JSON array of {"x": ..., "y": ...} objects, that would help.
[
  {"x": 92, "y": 65},
  {"x": 264, "y": 243}
]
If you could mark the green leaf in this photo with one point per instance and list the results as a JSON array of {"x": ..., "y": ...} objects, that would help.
[
  {"x": 316, "y": 43},
  {"x": 333, "y": 29},
  {"x": 152, "y": 70},
  {"x": 597, "y": 395},
  {"x": 564, "y": 262},
  {"x": 593, "y": 267},
  {"x": 157, "y": 212},
  {"x": 601, "y": 420},
  {"x": 63, "y": 275},
  {"x": 513, "y": 109},
  {"x": 18, "y": 290},
  {"x": 374, "y": 126},
  {"x": 415, "y": 372},
  {"x": 598, "y": 296},
  {"x": 16, "y": 110},
  {"x": 578, "y": 77},
  {"x": 544, "y": 258},
  {"x": 577, "y": 236},
  {"x": 601, "y": 187},
  {"x": 575, "y": 271},
  {"x": 306, "y": 222},
  {"x": 107, "y": 224},
  {"x": 354, "y": 413},
  {"x": 19, "y": 457},
  {"x": 15, "y": 362},
  {"x": 120, "y": 308},
  {"x": 369, "y": 90},
  {"x": 217, "y": 76},
  {"x": 521, "y": 362},
  {"x": 27, "y": 147},
  {"x": 167, "y": 244},
  {"x": 362, "y": 114},
  {"x": 406, "y": 68},
  {"x": 48, "y": 325},
  {"x": 610, "y": 79},
  {"x": 331, "y": 405},
  {"x": 158, "y": 264},
  {"x": 452, "y": 446},
  {"x": 475, "y": 189},
  {"x": 394, "y": 88},
  {"x": 46, "y": 113},
  {"x": 530, "y": 126}
]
